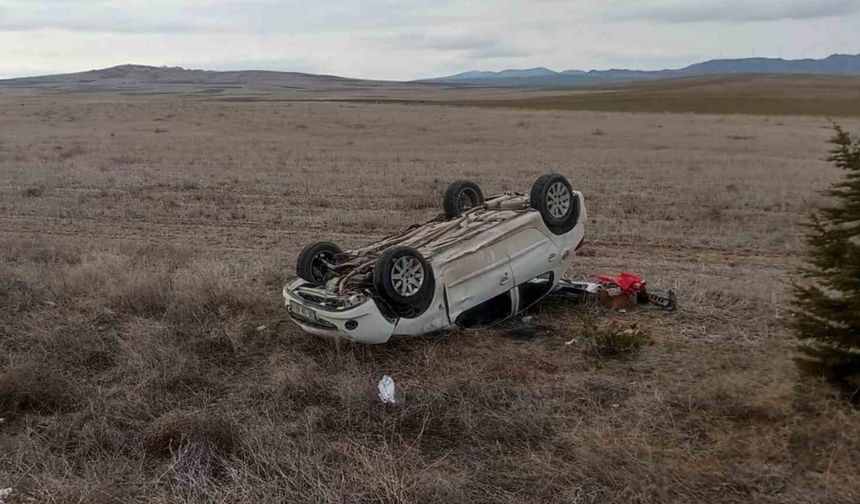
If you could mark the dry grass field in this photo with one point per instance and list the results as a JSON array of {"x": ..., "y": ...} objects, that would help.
[
  {"x": 146, "y": 356},
  {"x": 835, "y": 96}
]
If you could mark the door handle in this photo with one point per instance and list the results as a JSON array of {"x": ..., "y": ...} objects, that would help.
[{"x": 504, "y": 279}]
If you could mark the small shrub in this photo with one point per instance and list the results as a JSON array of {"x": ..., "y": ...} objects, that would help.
[
  {"x": 73, "y": 151},
  {"x": 209, "y": 290},
  {"x": 177, "y": 429},
  {"x": 30, "y": 387},
  {"x": 16, "y": 295},
  {"x": 215, "y": 345},
  {"x": 615, "y": 341},
  {"x": 143, "y": 294},
  {"x": 32, "y": 192}
]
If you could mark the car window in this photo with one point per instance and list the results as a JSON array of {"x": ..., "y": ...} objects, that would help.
[
  {"x": 532, "y": 291},
  {"x": 487, "y": 313}
]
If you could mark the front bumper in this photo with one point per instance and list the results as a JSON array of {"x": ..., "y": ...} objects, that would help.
[{"x": 363, "y": 323}]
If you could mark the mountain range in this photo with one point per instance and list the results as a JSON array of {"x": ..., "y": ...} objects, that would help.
[
  {"x": 141, "y": 79},
  {"x": 836, "y": 64}
]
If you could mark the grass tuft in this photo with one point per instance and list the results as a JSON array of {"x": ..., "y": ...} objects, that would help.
[
  {"x": 32, "y": 192},
  {"x": 615, "y": 341},
  {"x": 180, "y": 430},
  {"x": 34, "y": 387}
]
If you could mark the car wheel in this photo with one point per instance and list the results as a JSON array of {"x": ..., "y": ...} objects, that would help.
[
  {"x": 405, "y": 279},
  {"x": 316, "y": 262},
  {"x": 552, "y": 196},
  {"x": 461, "y": 196}
]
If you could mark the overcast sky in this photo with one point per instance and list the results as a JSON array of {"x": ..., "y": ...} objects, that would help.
[{"x": 407, "y": 39}]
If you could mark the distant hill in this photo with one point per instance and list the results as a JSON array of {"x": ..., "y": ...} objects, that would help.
[
  {"x": 837, "y": 64},
  {"x": 506, "y": 74},
  {"x": 142, "y": 79}
]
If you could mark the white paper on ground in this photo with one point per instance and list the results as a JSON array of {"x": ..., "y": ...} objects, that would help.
[
  {"x": 386, "y": 390},
  {"x": 5, "y": 493}
]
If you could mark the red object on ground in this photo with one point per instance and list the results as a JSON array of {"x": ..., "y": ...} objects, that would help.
[{"x": 627, "y": 282}]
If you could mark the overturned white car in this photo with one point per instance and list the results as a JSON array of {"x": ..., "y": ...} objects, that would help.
[{"x": 483, "y": 261}]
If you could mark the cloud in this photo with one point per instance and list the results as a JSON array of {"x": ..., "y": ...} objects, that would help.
[
  {"x": 294, "y": 16},
  {"x": 297, "y": 64},
  {"x": 89, "y": 16},
  {"x": 440, "y": 42},
  {"x": 686, "y": 11},
  {"x": 499, "y": 52},
  {"x": 248, "y": 16},
  {"x": 469, "y": 47}
]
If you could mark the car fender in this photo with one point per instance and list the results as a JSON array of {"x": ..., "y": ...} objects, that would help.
[{"x": 434, "y": 319}]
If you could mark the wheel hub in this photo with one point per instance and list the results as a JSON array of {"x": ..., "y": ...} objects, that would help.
[
  {"x": 466, "y": 200},
  {"x": 407, "y": 276},
  {"x": 558, "y": 200},
  {"x": 322, "y": 267}
]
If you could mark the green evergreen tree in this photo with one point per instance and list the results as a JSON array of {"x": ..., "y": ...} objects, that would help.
[{"x": 826, "y": 314}]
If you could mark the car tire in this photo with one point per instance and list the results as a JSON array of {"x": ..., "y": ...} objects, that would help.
[
  {"x": 405, "y": 280},
  {"x": 316, "y": 262},
  {"x": 461, "y": 196},
  {"x": 552, "y": 196}
]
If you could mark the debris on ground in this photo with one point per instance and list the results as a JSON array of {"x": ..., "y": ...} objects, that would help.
[
  {"x": 668, "y": 301},
  {"x": 580, "y": 292},
  {"x": 528, "y": 331},
  {"x": 617, "y": 292},
  {"x": 387, "y": 394},
  {"x": 621, "y": 291}
]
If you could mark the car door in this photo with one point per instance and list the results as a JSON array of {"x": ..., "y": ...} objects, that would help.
[
  {"x": 531, "y": 254},
  {"x": 477, "y": 277}
]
